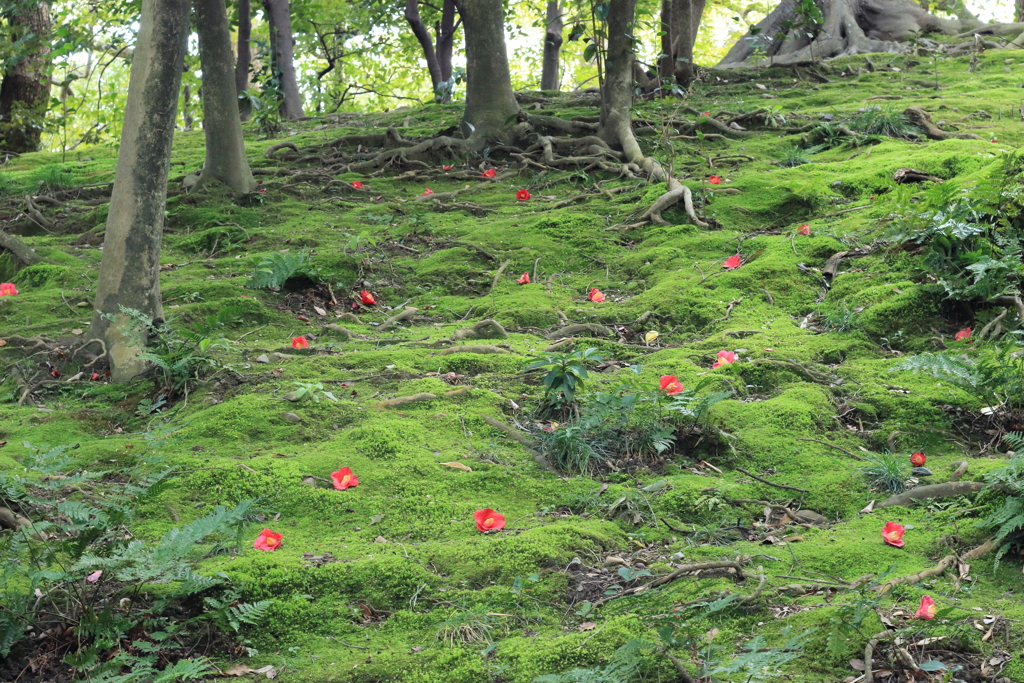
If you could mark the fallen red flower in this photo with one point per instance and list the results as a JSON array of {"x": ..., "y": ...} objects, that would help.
[
  {"x": 596, "y": 295},
  {"x": 446, "y": 168},
  {"x": 805, "y": 229},
  {"x": 55, "y": 373},
  {"x": 963, "y": 334},
  {"x": 488, "y": 520},
  {"x": 918, "y": 459},
  {"x": 523, "y": 195},
  {"x": 732, "y": 262},
  {"x": 525, "y": 279},
  {"x": 892, "y": 533},
  {"x": 344, "y": 479},
  {"x": 8, "y": 289},
  {"x": 366, "y": 298},
  {"x": 95, "y": 376},
  {"x": 426, "y": 191},
  {"x": 299, "y": 343},
  {"x": 489, "y": 173},
  {"x": 670, "y": 385},
  {"x": 927, "y": 609},
  {"x": 358, "y": 185},
  {"x": 715, "y": 180},
  {"x": 267, "y": 540},
  {"x": 724, "y": 358}
]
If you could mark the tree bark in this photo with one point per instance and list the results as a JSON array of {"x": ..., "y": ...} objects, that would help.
[
  {"x": 445, "y": 38},
  {"x": 439, "y": 56},
  {"x": 850, "y": 27},
  {"x": 130, "y": 270},
  {"x": 244, "y": 58},
  {"x": 25, "y": 89},
  {"x": 490, "y": 102},
  {"x": 1018, "y": 10},
  {"x": 666, "y": 62},
  {"x": 615, "y": 126},
  {"x": 225, "y": 147},
  {"x": 419, "y": 29},
  {"x": 686, "y": 16},
  {"x": 282, "y": 50},
  {"x": 552, "y": 46}
]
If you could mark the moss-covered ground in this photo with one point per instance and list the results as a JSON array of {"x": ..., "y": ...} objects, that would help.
[{"x": 409, "y": 568}]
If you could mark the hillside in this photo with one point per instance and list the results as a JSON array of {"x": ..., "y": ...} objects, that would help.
[{"x": 390, "y": 580}]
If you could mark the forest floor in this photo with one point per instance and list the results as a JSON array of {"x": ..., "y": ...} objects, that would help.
[{"x": 390, "y": 580}]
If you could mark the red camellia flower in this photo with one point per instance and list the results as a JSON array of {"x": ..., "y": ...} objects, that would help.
[
  {"x": 707, "y": 113},
  {"x": 358, "y": 185},
  {"x": 8, "y": 289},
  {"x": 299, "y": 343},
  {"x": 489, "y": 173},
  {"x": 344, "y": 479},
  {"x": 267, "y": 540},
  {"x": 805, "y": 229},
  {"x": 488, "y": 520},
  {"x": 523, "y": 195},
  {"x": 724, "y": 358},
  {"x": 95, "y": 376},
  {"x": 446, "y": 168},
  {"x": 963, "y": 334},
  {"x": 525, "y": 279},
  {"x": 426, "y": 191},
  {"x": 927, "y": 609},
  {"x": 732, "y": 262},
  {"x": 366, "y": 298},
  {"x": 55, "y": 373},
  {"x": 715, "y": 180},
  {"x": 670, "y": 385},
  {"x": 892, "y": 533},
  {"x": 918, "y": 459},
  {"x": 596, "y": 295}
]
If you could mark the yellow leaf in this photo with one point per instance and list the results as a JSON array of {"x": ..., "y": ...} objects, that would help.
[
  {"x": 650, "y": 336},
  {"x": 457, "y": 465}
]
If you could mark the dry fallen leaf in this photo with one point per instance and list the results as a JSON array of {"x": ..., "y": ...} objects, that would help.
[
  {"x": 793, "y": 539},
  {"x": 457, "y": 465},
  {"x": 868, "y": 508},
  {"x": 76, "y": 331},
  {"x": 319, "y": 311},
  {"x": 587, "y": 626},
  {"x": 244, "y": 670},
  {"x": 3, "y": 343}
]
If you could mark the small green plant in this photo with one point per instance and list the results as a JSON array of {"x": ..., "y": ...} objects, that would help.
[
  {"x": 465, "y": 627},
  {"x": 310, "y": 391},
  {"x": 994, "y": 373},
  {"x": 624, "y": 667},
  {"x": 887, "y": 471},
  {"x": 567, "y": 374},
  {"x": 1007, "y": 523},
  {"x": 274, "y": 271},
  {"x": 887, "y": 121},
  {"x": 794, "y": 155}
]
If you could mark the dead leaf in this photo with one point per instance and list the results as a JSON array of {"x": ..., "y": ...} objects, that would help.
[
  {"x": 375, "y": 519},
  {"x": 457, "y": 465},
  {"x": 793, "y": 539},
  {"x": 760, "y": 87},
  {"x": 868, "y": 508},
  {"x": 319, "y": 311},
  {"x": 245, "y": 670},
  {"x": 3, "y": 343},
  {"x": 929, "y": 641},
  {"x": 76, "y": 331},
  {"x": 588, "y": 626},
  {"x": 380, "y": 539},
  {"x": 857, "y": 664},
  {"x": 963, "y": 569}
]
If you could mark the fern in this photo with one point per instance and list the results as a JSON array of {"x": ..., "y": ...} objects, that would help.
[
  {"x": 623, "y": 667},
  {"x": 274, "y": 270},
  {"x": 1015, "y": 440}
]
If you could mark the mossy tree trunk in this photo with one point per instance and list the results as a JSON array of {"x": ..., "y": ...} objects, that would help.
[
  {"x": 225, "y": 149},
  {"x": 686, "y": 16},
  {"x": 438, "y": 56},
  {"x": 282, "y": 51},
  {"x": 849, "y": 27},
  {"x": 244, "y": 59},
  {"x": 130, "y": 269},
  {"x": 490, "y": 102},
  {"x": 616, "y": 126},
  {"x": 552, "y": 45},
  {"x": 25, "y": 89}
]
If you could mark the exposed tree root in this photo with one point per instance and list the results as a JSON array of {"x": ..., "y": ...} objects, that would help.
[
  {"x": 405, "y": 315},
  {"x": 920, "y": 118},
  {"x": 482, "y": 330},
  {"x": 809, "y": 373},
  {"x": 513, "y": 433},
  {"x": 389, "y": 138},
  {"x": 406, "y": 400},
  {"x": 943, "y": 564},
  {"x": 574, "y": 330},
  {"x": 1014, "y": 301},
  {"x": 960, "y": 471},
  {"x": 497, "y": 275},
  {"x": 947, "y": 490},
  {"x": 340, "y": 330},
  {"x": 12, "y": 520},
  {"x": 685, "y": 569},
  {"x": 473, "y": 348},
  {"x": 21, "y": 252},
  {"x": 270, "y": 151}
]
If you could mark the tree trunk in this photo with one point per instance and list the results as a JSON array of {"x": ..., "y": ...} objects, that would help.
[
  {"x": 850, "y": 27},
  {"x": 225, "y": 148},
  {"x": 686, "y": 16},
  {"x": 445, "y": 37},
  {"x": 666, "y": 62},
  {"x": 437, "y": 51},
  {"x": 130, "y": 270},
  {"x": 282, "y": 50},
  {"x": 552, "y": 46},
  {"x": 490, "y": 102},
  {"x": 412, "y": 17},
  {"x": 244, "y": 58},
  {"x": 615, "y": 126},
  {"x": 1018, "y": 10},
  {"x": 25, "y": 89}
]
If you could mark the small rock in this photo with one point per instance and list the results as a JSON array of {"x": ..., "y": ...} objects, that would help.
[
  {"x": 262, "y": 358},
  {"x": 309, "y": 481},
  {"x": 380, "y": 539},
  {"x": 921, "y": 472},
  {"x": 678, "y": 557},
  {"x": 575, "y": 564},
  {"x": 292, "y": 417},
  {"x": 612, "y": 561}
]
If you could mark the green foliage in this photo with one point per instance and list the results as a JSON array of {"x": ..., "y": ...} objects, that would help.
[
  {"x": 624, "y": 667},
  {"x": 793, "y": 156},
  {"x": 274, "y": 271},
  {"x": 1007, "y": 523},
  {"x": 567, "y": 373},
  {"x": 887, "y": 471},
  {"x": 312, "y": 391},
  {"x": 887, "y": 120},
  {"x": 994, "y": 373}
]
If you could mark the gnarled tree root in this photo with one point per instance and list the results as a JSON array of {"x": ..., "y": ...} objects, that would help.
[
  {"x": 578, "y": 329},
  {"x": 943, "y": 564},
  {"x": 340, "y": 330},
  {"x": 406, "y": 400},
  {"x": 685, "y": 569},
  {"x": 21, "y": 252},
  {"x": 9, "y": 519},
  {"x": 513, "y": 433},
  {"x": 484, "y": 329},
  {"x": 947, "y": 490},
  {"x": 405, "y": 315},
  {"x": 920, "y": 118}
]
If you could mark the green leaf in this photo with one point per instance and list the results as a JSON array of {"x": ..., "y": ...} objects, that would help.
[{"x": 589, "y": 52}]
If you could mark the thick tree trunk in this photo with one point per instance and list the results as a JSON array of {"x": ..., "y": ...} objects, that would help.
[
  {"x": 244, "y": 57},
  {"x": 686, "y": 16},
  {"x": 25, "y": 89},
  {"x": 850, "y": 27},
  {"x": 615, "y": 126},
  {"x": 225, "y": 148},
  {"x": 130, "y": 269},
  {"x": 552, "y": 46},
  {"x": 282, "y": 50},
  {"x": 490, "y": 102}
]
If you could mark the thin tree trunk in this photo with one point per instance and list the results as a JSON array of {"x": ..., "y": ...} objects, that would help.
[
  {"x": 412, "y": 17},
  {"x": 282, "y": 49},
  {"x": 225, "y": 148},
  {"x": 25, "y": 89},
  {"x": 666, "y": 63},
  {"x": 615, "y": 126},
  {"x": 490, "y": 102},
  {"x": 1018, "y": 10},
  {"x": 686, "y": 16},
  {"x": 445, "y": 37},
  {"x": 244, "y": 57},
  {"x": 552, "y": 46},
  {"x": 130, "y": 270}
]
